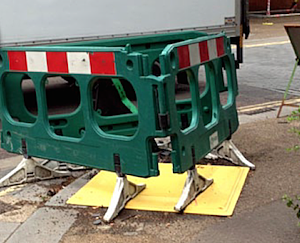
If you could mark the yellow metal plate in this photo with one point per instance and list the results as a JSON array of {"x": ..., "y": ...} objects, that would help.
[{"x": 163, "y": 192}]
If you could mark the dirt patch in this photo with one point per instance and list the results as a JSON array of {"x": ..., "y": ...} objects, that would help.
[
  {"x": 137, "y": 226},
  {"x": 5, "y": 207},
  {"x": 277, "y": 170},
  {"x": 4, "y": 154},
  {"x": 20, "y": 215},
  {"x": 215, "y": 162}
]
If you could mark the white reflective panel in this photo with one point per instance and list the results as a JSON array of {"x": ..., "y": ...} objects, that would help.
[
  {"x": 36, "y": 61},
  {"x": 79, "y": 62}
]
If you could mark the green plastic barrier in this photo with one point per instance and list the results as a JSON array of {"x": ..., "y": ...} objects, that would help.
[{"x": 127, "y": 98}]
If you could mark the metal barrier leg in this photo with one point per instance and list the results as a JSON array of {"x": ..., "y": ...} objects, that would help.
[
  {"x": 194, "y": 185},
  {"x": 30, "y": 170},
  {"x": 61, "y": 166},
  {"x": 227, "y": 150},
  {"x": 124, "y": 191},
  {"x": 211, "y": 156}
]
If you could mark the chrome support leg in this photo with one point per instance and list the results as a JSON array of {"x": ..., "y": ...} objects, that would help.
[
  {"x": 124, "y": 191},
  {"x": 194, "y": 185},
  {"x": 227, "y": 150},
  {"x": 29, "y": 170}
]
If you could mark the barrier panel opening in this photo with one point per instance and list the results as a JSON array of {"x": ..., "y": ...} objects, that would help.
[
  {"x": 115, "y": 106},
  {"x": 205, "y": 77},
  {"x": 63, "y": 97},
  {"x": 29, "y": 94},
  {"x": 223, "y": 86},
  {"x": 63, "y": 106},
  {"x": 203, "y": 87},
  {"x": 156, "y": 68},
  {"x": 20, "y": 97},
  {"x": 183, "y": 89}
]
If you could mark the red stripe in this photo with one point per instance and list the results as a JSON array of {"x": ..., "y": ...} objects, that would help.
[
  {"x": 220, "y": 46},
  {"x": 57, "y": 62},
  {"x": 103, "y": 63},
  {"x": 204, "y": 55},
  {"x": 17, "y": 60},
  {"x": 184, "y": 56}
]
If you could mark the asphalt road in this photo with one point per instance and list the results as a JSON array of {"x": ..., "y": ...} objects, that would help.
[
  {"x": 269, "y": 67},
  {"x": 268, "y": 63}
]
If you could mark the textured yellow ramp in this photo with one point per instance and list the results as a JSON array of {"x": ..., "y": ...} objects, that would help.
[{"x": 163, "y": 192}]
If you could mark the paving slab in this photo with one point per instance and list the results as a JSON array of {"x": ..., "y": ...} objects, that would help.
[
  {"x": 7, "y": 229},
  {"x": 273, "y": 222},
  {"x": 46, "y": 225},
  {"x": 30, "y": 192},
  {"x": 286, "y": 111},
  {"x": 19, "y": 215}
]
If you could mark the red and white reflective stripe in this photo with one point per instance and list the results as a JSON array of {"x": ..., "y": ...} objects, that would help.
[
  {"x": 197, "y": 53},
  {"x": 63, "y": 62}
]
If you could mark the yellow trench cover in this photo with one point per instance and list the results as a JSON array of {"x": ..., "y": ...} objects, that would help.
[{"x": 163, "y": 192}]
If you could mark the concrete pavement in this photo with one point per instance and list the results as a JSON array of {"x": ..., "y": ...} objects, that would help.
[{"x": 46, "y": 225}]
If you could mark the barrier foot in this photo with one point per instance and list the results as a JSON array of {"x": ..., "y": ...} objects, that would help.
[
  {"x": 194, "y": 185},
  {"x": 211, "y": 156},
  {"x": 227, "y": 150},
  {"x": 61, "y": 166},
  {"x": 124, "y": 191},
  {"x": 29, "y": 170}
]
